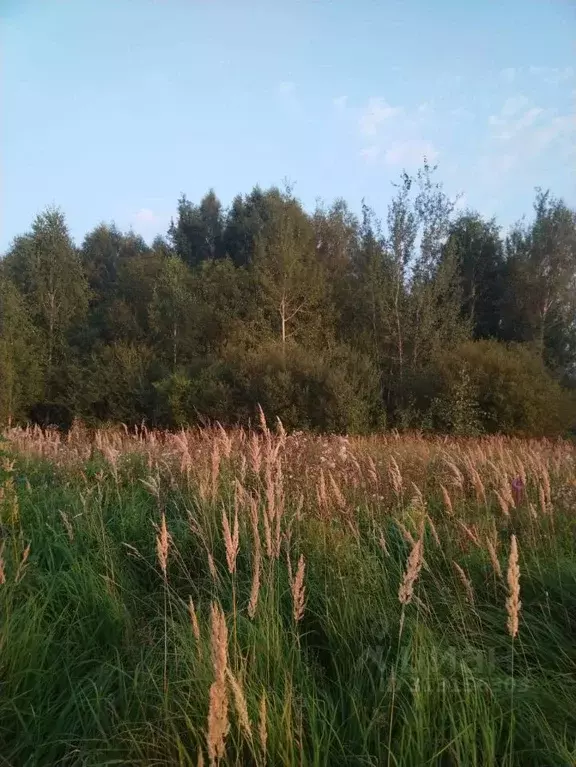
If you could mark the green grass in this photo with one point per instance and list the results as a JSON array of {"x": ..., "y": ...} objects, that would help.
[{"x": 91, "y": 628}]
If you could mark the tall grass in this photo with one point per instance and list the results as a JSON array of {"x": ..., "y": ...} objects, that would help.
[{"x": 260, "y": 598}]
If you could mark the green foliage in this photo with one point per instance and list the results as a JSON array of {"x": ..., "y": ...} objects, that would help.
[
  {"x": 200, "y": 394},
  {"x": 339, "y": 393},
  {"x": 119, "y": 384},
  {"x": 100, "y": 664},
  {"x": 20, "y": 371},
  {"x": 197, "y": 234},
  {"x": 456, "y": 410},
  {"x": 329, "y": 393},
  {"x": 478, "y": 248},
  {"x": 45, "y": 266},
  {"x": 262, "y": 303},
  {"x": 290, "y": 279},
  {"x": 496, "y": 387},
  {"x": 172, "y": 310},
  {"x": 541, "y": 285}
]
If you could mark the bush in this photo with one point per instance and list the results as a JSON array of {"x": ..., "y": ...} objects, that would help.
[
  {"x": 495, "y": 387},
  {"x": 333, "y": 393},
  {"x": 199, "y": 394},
  {"x": 119, "y": 384},
  {"x": 337, "y": 392}
]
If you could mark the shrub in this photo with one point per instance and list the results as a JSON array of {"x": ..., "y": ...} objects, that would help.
[
  {"x": 495, "y": 387},
  {"x": 335, "y": 392},
  {"x": 338, "y": 392},
  {"x": 120, "y": 384}
]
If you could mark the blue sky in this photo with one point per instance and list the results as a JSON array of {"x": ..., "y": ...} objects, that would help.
[{"x": 112, "y": 108}]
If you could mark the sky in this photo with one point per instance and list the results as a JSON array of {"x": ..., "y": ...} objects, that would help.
[{"x": 111, "y": 109}]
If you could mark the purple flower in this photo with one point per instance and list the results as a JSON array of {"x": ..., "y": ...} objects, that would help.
[{"x": 517, "y": 489}]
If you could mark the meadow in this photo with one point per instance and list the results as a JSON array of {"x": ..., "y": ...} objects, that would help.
[{"x": 251, "y": 597}]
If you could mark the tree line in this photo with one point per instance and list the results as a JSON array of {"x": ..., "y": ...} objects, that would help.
[{"x": 430, "y": 318}]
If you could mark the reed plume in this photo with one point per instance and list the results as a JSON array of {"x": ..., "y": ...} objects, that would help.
[
  {"x": 231, "y": 540},
  {"x": 218, "y": 723},
  {"x": 493, "y": 557},
  {"x": 162, "y": 545},
  {"x": 406, "y": 534},
  {"x": 240, "y": 704},
  {"x": 67, "y": 525},
  {"x": 447, "y": 500},
  {"x": 543, "y": 501},
  {"x": 413, "y": 567},
  {"x": 503, "y": 503},
  {"x": 298, "y": 591},
  {"x": 212, "y": 568},
  {"x": 465, "y": 582},
  {"x": 22, "y": 564},
  {"x": 263, "y": 723},
  {"x": 433, "y": 530},
  {"x": 193, "y": 619},
  {"x": 513, "y": 603},
  {"x": 395, "y": 475},
  {"x": 256, "y": 562}
]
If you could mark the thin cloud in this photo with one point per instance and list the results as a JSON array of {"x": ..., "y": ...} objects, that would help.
[
  {"x": 425, "y": 112},
  {"x": 370, "y": 153},
  {"x": 508, "y": 74},
  {"x": 286, "y": 94},
  {"x": 377, "y": 112},
  {"x": 449, "y": 81},
  {"x": 503, "y": 163},
  {"x": 528, "y": 118},
  {"x": 148, "y": 222},
  {"x": 560, "y": 127},
  {"x": 340, "y": 103},
  {"x": 462, "y": 112},
  {"x": 461, "y": 202},
  {"x": 510, "y": 128},
  {"x": 286, "y": 88},
  {"x": 522, "y": 132},
  {"x": 394, "y": 136},
  {"x": 514, "y": 104},
  {"x": 410, "y": 153},
  {"x": 552, "y": 75},
  {"x": 146, "y": 217}
]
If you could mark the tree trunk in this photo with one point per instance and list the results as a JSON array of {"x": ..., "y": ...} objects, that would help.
[
  {"x": 52, "y": 300},
  {"x": 283, "y": 323},
  {"x": 399, "y": 339},
  {"x": 174, "y": 346}
]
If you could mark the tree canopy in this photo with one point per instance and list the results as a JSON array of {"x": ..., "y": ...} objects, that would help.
[{"x": 429, "y": 318}]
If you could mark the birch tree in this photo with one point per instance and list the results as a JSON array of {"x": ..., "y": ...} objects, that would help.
[{"x": 290, "y": 279}]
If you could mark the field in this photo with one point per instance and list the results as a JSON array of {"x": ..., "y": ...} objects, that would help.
[{"x": 244, "y": 598}]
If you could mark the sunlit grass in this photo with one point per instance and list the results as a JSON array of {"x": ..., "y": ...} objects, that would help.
[{"x": 101, "y": 662}]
